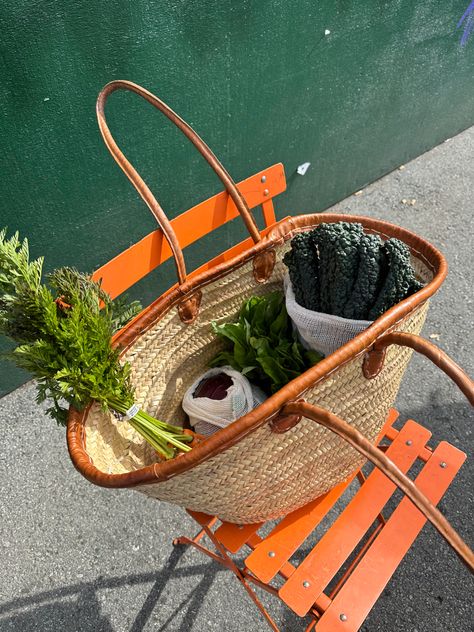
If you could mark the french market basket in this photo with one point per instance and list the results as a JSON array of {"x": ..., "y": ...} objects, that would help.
[{"x": 274, "y": 459}]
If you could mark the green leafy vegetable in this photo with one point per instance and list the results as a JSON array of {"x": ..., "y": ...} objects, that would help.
[
  {"x": 338, "y": 248},
  {"x": 338, "y": 269},
  {"x": 64, "y": 341},
  {"x": 303, "y": 264},
  {"x": 371, "y": 272},
  {"x": 262, "y": 344},
  {"x": 400, "y": 281}
]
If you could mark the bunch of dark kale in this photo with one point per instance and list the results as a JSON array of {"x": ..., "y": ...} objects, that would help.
[{"x": 338, "y": 269}]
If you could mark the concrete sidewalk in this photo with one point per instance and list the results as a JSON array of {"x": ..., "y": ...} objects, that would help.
[{"x": 77, "y": 558}]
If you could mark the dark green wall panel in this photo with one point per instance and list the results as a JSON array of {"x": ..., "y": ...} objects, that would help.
[{"x": 260, "y": 81}]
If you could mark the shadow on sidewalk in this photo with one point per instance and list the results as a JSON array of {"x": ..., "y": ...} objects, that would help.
[{"x": 77, "y": 608}]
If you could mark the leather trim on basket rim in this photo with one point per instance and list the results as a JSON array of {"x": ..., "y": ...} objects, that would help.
[{"x": 231, "y": 435}]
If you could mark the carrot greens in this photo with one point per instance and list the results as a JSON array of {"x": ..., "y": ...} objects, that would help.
[{"x": 63, "y": 333}]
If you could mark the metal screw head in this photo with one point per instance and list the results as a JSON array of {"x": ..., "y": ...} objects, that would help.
[
  {"x": 271, "y": 553},
  {"x": 343, "y": 617},
  {"x": 409, "y": 442},
  {"x": 263, "y": 179},
  {"x": 266, "y": 192},
  {"x": 443, "y": 464},
  {"x": 306, "y": 584}
]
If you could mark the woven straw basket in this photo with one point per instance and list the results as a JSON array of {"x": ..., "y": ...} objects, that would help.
[{"x": 276, "y": 458}]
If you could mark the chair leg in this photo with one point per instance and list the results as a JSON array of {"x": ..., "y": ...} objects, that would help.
[
  {"x": 260, "y": 606},
  {"x": 183, "y": 540},
  {"x": 221, "y": 557}
]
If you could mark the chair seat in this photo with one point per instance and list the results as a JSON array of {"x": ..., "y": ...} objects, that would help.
[{"x": 339, "y": 579}]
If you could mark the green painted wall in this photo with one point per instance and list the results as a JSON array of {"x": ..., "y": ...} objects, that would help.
[{"x": 259, "y": 80}]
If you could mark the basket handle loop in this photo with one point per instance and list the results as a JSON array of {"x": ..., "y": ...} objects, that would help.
[
  {"x": 139, "y": 183},
  {"x": 358, "y": 441},
  {"x": 374, "y": 359}
]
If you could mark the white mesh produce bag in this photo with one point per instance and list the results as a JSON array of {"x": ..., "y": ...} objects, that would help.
[
  {"x": 208, "y": 415},
  {"x": 321, "y": 332}
]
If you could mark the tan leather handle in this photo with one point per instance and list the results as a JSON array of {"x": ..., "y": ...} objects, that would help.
[
  {"x": 139, "y": 183},
  {"x": 373, "y": 362},
  {"x": 379, "y": 459}
]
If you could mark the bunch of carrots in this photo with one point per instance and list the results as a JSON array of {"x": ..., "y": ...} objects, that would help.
[{"x": 63, "y": 330}]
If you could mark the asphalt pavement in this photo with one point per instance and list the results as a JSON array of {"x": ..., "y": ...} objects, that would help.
[{"x": 78, "y": 558}]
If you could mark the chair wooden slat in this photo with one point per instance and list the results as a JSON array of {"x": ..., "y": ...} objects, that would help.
[
  {"x": 133, "y": 264},
  {"x": 360, "y": 592},
  {"x": 321, "y": 565},
  {"x": 290, "y": 533},
  {"x": 234, "y": 536},
  {"x": 205, "y": 520}
]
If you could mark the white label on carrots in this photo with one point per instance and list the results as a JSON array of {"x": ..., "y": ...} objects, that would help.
[{"x": 132, "y": 411}]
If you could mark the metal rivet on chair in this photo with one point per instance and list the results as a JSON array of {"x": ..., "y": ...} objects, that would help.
[
  {"x": 443, "y": 464},
  {"x": 271, "y": 553},
  {"x": 263, "y": 179},
  {"x": 343, "y": 617},
  {"x": 409, "y": 442},
  {"x": 306, "y": 584},
  {"x": 266, "y": 192}
]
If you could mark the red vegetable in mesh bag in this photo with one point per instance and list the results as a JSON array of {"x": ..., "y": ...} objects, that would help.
[
  {"x": 214, "y": 387},
  {"x": 218, "y": 398}
]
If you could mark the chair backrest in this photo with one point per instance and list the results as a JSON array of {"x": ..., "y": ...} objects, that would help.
[{"x": 131, "y": 265}]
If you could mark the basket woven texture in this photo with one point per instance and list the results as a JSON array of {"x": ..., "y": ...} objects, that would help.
[{"x": 265, "y": 474}]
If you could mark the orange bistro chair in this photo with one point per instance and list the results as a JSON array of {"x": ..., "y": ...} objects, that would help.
[{"x": 342, "y": 576}]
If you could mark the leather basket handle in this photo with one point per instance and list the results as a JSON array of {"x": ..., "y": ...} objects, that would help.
[
  {"x": 374, "y": 359},
  {"x": 387, "y": 466},
  {"x": 139, "y": 183}
]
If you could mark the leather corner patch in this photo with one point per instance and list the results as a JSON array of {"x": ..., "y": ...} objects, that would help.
[
  {"x": 283, "y": 423},
  {"x": 188, "y": 309},
  {"x": 373, "y": 362},
  {"x": 263, "y": 265}
]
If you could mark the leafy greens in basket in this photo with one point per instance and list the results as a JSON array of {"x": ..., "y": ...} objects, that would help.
[
  {"x": 262, "y": 345},
  {"x": 63, "y": 333},
  {"x": 338, "y": 269}
]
